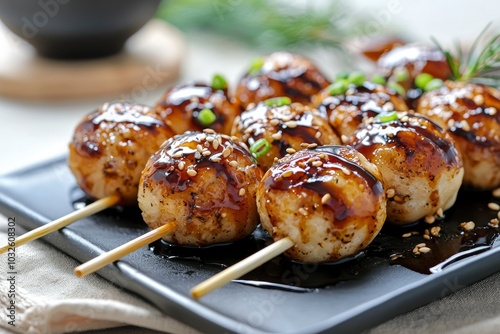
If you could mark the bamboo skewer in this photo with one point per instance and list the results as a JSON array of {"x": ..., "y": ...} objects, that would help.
[
  {"x": 241, "y": 268},
  {"x": 125, "y": 249},
  {"x": 57, "y": 224}
]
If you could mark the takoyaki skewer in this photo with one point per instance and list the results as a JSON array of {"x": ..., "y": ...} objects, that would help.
[
  {"x": 198, "y": 189},
  {"x": 318, "y": 205},
  {"x": 109, "y": 149}
]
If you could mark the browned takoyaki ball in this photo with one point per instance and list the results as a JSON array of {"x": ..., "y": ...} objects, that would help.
[
  {"x": 204, "y": 182},
  {"x": 194, "y": 107},
  {"x": 402, "y": 64},
  {"x": 471, "y": 113},
  {"x": 421, "y": 167},
  {"x": 111, "y": 146},
  {"x": 272, "y": 130},
  {"x": 346, "y": 111},
  {"x": 280, "y": 74},
  {"x": 328, "y": 201}
]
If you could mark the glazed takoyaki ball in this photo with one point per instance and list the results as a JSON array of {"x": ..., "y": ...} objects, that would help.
[
  {"x": 471, "y": 113},
  {"x": 111, "y": 146},
  {"x": 204, "y": 182},
  {"x": 404, "y": 63},
  {"x": 271, "y": 130},
  {"x": 280, "y": 74},
  {"x": 421, "y": 167},
  {"x": 329, "y": 201},
  {"x": 346, "y": 111},
  {"x": 194, "y": 107}
]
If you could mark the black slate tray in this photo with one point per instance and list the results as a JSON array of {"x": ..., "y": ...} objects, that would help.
[{"x": 375, "y": 291}]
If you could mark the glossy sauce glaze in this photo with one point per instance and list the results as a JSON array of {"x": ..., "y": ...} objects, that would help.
[
  {"x": 180, "y": 106},
  {"x": 280, "y": 74}
]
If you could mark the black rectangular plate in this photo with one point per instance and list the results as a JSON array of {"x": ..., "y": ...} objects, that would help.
[{"x": 44, "y": 192}]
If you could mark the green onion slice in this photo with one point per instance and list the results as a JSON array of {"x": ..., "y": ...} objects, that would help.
[
  {"x": 278, "y": 101},
  {"x": 260, "y": 148},
  {"x": 397, "y": 87},
  {"x": 433, "y": 84},
  {"x": 422, "y": 80},
  {"x": 206, "y": 117},
  {"x": 357, "y": 78},
  {"x": 379, "y": 79},
  {"x": 338, "y": 88},
  {"x": 341, "y": 75},
  {"x": 255, "y": 66},
  {"x": 219, "y": 82},
  {"x": 401, "y": 74},
  {"x": 387, "y": 117}
]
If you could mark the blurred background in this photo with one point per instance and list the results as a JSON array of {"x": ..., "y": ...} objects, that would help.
[{"x": 42, "y": 99}]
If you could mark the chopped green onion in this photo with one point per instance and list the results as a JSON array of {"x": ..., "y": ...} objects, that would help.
[
  {"x": 219, "y": 82},
  {"x": 401, "y": 74},
  {"x": 341, "y": 75},
  {"x": 255, "y": 66},
  {"x": 387, "y": 117},
  {"x": 278, "y": 101},
  {"x": 379, "y": 79},
  {"x": 260, "y": 148},
  {"x": 397, "y": 87},
  {"x": 357, "y": 78},
  {"x": 338, "y": 88},
  {"x": 433, "y": 84},
  {"x": 422, "y": 80},
  {"x": 206, "y": 117}
]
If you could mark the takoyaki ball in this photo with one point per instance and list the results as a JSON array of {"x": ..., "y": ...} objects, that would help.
[
  {"x": 346, "y": 109},
  {"x": 204, "y": 182},
  {"x": 276, "y": 127},
  {"x": 421, "y": 167},
  {"x": 403, "y": 64},
  {"x": 471, "y": 113},
  {"x": 111, "y": 146},
  {"x": 194, "y": 107},
  {"x": 280, "y": 74},
  {"x": 329, "y": 201}
]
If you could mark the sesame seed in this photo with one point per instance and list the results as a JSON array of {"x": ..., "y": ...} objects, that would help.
[
  {"x": 496, "y": 193},
  {"x": 274, "y": 121},
  {"x": 317, "y": 163},
  {"x": 223, "y": 215},
  {"x": 210, "y": 139},
  {"x": 191, "y": 172},
  {"x": 209, "y": 131},
  {"x": 234, "y": 138},
  {"x": 275, "y": 159},
  {"x": 424, "y": 250},
  {"x": 491, "y": 110},
  {"x": 291, "y": 124},
  {"x": 468, "y": 226},
  {"x": 244, "y": 146},
  {"x": 199, "y": 148},
  {"x": 290, "y": 150},
  {"x": 248, "y": 130},
  {"x": 215, "y": 144},
  {"x": 276, "y": 136},
  {"x": 288, "y": 173},
  {"x": 206, "y": 153},
  {"x": 344, "y": 138},
  {"x": 493, "y": 206},
  {"x": 203, "y": 137},
  {"x": 395, "y": 257},
  {"x": 215, "y": 159},
  {"x": 181, "y": 165},
  {"x": 197, "y": 155},
  {"x": 233, "y": 163},
  {"x": 494, "y": 222},
  {"x": 226, "y": 152},
  {"x": 440, "y": 213},
  {"x": 194, "y": 99},
  {"x": 304, "y": 145},
  {"x": 242, "y": 192},
  {"x": 325, "y": 198},
  {"x": 435, "y": 230},
  {"x": 388, "y": 106},
  {"x": 405, "y": 119},
  {"x": 322, "y": 156},
  {"x": 318, "y": 135},
  {"x": 346, "y": 171},
  {"x": 451, "y": 123},
  {"x": 478, "y": 99},
  {"x": 302, "y": 211},
  {"x": 406, "y": 235},
  {"x": 421, "y": 245},
  {"x": 313, "y": 145},
  {"x": 426, "y": 237},
  {"x": 390, "y": 193},
  {"x": 177, "y": 155},
  {"x": 464, "y": 125},
  {"x": 429, "y": 219},
  {"x": 219, "y": 138}
]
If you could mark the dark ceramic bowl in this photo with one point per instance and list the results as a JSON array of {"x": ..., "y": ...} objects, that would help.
[{"x": 76, "y": 28}]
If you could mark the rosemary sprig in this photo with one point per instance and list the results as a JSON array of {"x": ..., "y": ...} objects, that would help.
[
  {"x": 481, "y": 64},
  {"x": 268, "y": 25}
]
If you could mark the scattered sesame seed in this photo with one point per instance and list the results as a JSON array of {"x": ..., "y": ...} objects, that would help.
[
  {"x": 491, "y": 110},
  {"x": 215, "y": 144},
  {"x": 395, "y": 257},
  {"x": 206, "y": 153},
  {"x": 242, "y": 192},
  {"x": 424, "y": 250},
  {"x": 414, "y": 233},
  {"x": 313, "y": 145},
  {"x": 234, "y": 138},
  {"x": 451, "y": 123},
  {"x": 494, "y": 222},
  {"x": 181, "y": 165},
  {"x": 478, "y": 99},
  {"x": 290, "y": 150},
  {"x": 468, "y": 226},
  {"x": 325, "y": 198},
  {"x": 191, "y": 172},
  {"x": 288, "y": 173},
  {"x": 318, "y": 135},
  {"x": 317, "y": 163},
  {"x": 226, "y": 152},
  {"x": 203, "y": 137},
  {"x": 496, "y": 193},
  {"x": 426, "y": 237},
  {"x": 304, "y": 145},
  {"x": 210, "y": 131},
  {"x": 322, "y": 156},
  {"x": 210, "y": 139},
  {"x": 303, "y": 211},
  {"x": 429, "y": 219},
  {"x": 405, "y": 119},
  {"x": 215, "y": 159},
  {"x": 464, "y": 125},
  {"x": 406, "y": 235},
  {"x": 493, "y": 206},
  {"x": 244, "y": 146},
  {"x": 275, "y": 159},
  {"x": 390, "y": 193},
  {"x": 197, "y": 155},
  {"x": 276, "y": 136},
  {"x": 199, "y": 148},
  {"x": 177, "y": 155},
  {"x": 233, "y": 163},
  {"x": 291, "y": 124},
  {"x": 344, "y": 138},
  {"x": 223, "y": 215},
  {"x": 346, "y": 171},
  {"x": 274, "y": 121},
  {"x": 388, "y": 106},
  {"x": 435, "y": 230},
  {"x": 194, "y": 99},
  {"x": 420, "y": 245}
]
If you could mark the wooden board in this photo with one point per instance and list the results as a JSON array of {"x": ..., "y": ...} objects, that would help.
[{"x": 151, "y": 57}]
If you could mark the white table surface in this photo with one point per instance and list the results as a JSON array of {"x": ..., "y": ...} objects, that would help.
[{"x": 32, "y": 131}]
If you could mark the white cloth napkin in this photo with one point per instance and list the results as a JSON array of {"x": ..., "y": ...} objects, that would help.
[{"x": 50, "y": 299}]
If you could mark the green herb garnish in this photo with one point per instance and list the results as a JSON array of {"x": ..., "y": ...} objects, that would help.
[
  {"x": 422, "y": 80},
  {"x": 379, "y": 79},
  {"x": 260, "y": 148},
  {"x": 387, "y": 117},
  {"x": 219, "y": 82},
  {"x": 338, "y": 88},
  {"x": 433, "y": 84},
  {"x": 397, "y": 87},
  {"x": 357, "y": 78},
  {"x": 255, "y": 66},
  {"x": 278, "y": 101},
  {"x": 206, "y": 117}
]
